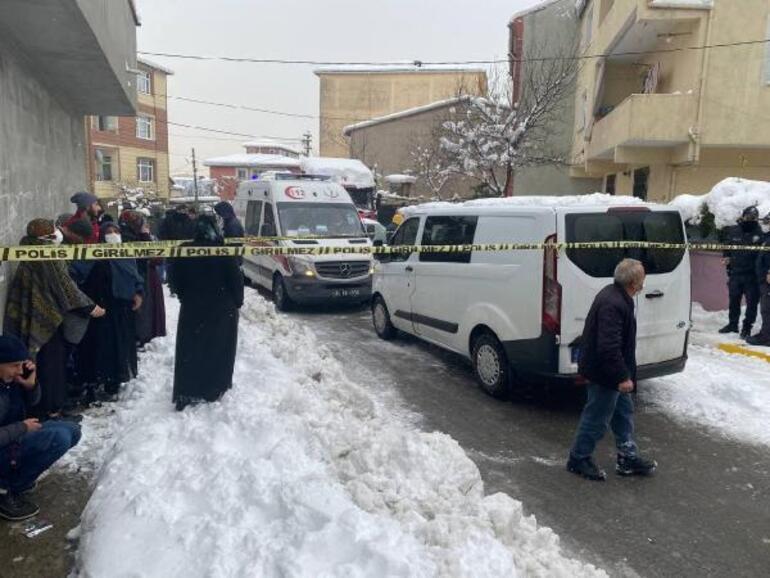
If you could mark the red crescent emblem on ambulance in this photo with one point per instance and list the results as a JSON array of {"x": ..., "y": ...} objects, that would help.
[{"x": 295, "y": 193}]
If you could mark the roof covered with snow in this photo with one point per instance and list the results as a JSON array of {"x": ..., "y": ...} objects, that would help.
[
  {"x": 399, "y": 68},
  {"x": 404, "y": 114},
  {"x": 155, "y": 65},
  {"x": 267, "y": 143},
  {"x": 347, "y": 172},
  {"x": 539, "y": 7},
  {"x": 726, "y": 201},
  {"x": 400, "y": 179},
  {"x": 253, "y": 161}
]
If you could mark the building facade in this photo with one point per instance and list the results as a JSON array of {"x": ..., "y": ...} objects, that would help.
[
  {"x": 547, "y": 31},
  {"x": 228, "y": 171},
  {"x": 267, "y": 147},
  {"x": 43, "y": 101},
  {"x": 131, "y": 152},
  {"x": 354, "y": 94},
  {"x": 390, "y": 146},
  {"x": 681, "y": 99}
]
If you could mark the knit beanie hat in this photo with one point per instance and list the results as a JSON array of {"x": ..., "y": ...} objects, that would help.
[
  {"x": 40, "y": 228},
  {"x": 12, "y": 350},
  {"x": 83, "y": 200}
]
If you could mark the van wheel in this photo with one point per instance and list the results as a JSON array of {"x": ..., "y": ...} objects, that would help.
[
  {"x": 490, "y": 364},
  {"x": 280, "y": 297},
  {"x": 381, "y": 320}
]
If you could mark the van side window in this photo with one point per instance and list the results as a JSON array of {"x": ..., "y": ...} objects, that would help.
[
  {"x": 268, "y": 219},
  {"x": 253, "y": 213},
  {"x": 405, "y": 236},
  {"x": 448, "y": 231}
]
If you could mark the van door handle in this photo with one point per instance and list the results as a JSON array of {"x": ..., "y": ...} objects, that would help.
[
  {"x": 655, "y": 294},
  {"x": 409, "y": 269}
]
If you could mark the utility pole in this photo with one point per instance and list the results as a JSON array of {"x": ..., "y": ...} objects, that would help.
[
  {"x": 307, "y": 142},
  {"x": 195, "y": 179}
]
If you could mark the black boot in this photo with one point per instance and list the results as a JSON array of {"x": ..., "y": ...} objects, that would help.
[
  {"x": 758, "y": 339},
  {"x": 635, "y": 466},
  {"x": 729, "y": 328},
  {"x": 746, "y": 332},
  {"x": 586, "y": 468},
  {"x": 14, "y": 508}
]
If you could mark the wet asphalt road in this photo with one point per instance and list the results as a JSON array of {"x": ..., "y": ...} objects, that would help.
[{"x": 705, "y": 513}]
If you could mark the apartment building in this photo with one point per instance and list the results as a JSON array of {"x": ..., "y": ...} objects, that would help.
[
  {"x": 673, "y": 95},
  {"x": 358, "y": 93},
  {"x": 132, "y": 152},
  {"x": 43, "y": 100}
]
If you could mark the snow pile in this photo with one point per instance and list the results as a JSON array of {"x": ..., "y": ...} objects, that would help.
[
  {"x": 347, "y": 172},
  {"x": 728, "y": 393},
  {"x": 253, "y": 161},
  {"x": 595, "y": 199},
  {"x": 726, "y": 201},
  {"x": 699, "y": 4},
  {"x": 297, "y": 472}
]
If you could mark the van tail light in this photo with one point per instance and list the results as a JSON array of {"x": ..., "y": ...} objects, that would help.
[{"x": 551, "y": 289}]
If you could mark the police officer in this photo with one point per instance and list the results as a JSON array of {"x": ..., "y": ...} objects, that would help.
[
  {"x": 742, "y": 271},
  {"x": 763, "y": 274}
]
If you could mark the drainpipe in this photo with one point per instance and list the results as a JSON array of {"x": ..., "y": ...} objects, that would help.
[{"x": 696, "y": 131}]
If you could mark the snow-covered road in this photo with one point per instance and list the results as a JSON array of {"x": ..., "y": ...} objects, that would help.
[{"x": 297, "y": 472}]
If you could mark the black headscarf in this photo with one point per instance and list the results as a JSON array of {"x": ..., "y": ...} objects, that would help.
[{"x": 207, "y": 231}]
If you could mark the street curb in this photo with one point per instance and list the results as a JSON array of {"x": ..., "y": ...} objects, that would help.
[{"x": 740, "y": 350}]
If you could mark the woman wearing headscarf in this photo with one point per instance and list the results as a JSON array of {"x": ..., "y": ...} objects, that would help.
[
  {"x": 40, "y": 299},
  {"x": 107, "y": 355},
  {"x": 151, "y": 316},
  {"x": 210, "y": 290}
]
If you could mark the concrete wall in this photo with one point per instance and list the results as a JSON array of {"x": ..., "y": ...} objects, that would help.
[
  {"x": 387, "y": 148},
  {"x": 551, "y": 31},
  {"x": 348, "y": 98},
  {"x": 42, "y": 153}
]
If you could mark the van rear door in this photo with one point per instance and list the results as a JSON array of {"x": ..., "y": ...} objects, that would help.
[{"x": 663, "y": 307}]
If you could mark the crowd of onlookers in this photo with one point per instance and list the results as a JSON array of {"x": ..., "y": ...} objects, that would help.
[{"x": 72, "y": 332}]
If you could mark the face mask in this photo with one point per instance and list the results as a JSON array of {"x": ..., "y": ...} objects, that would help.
[
  {"x": 54, "y": 238},
  {"x": 112, "y": 238}
]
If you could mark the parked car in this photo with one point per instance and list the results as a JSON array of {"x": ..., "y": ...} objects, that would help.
[
  {"x": 375, "y": 230},
  {"x": 311, "y": 212},
  {"x": 519, "y": 315}
]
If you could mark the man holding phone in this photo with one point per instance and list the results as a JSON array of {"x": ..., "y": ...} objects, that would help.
[{"x": 27, "y": 447}]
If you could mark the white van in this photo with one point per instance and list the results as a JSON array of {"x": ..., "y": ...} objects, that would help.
[
  {"x": 319, "y": 213},
  {"x": 519, "y": 315}
]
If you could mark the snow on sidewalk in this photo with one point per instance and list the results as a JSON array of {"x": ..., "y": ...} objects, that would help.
[
  {"x": 728, "y": 393},
  {"x": 297, "y": 472}
]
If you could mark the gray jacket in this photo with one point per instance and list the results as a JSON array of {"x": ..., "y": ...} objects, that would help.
[{"x": 10, "y": 431}]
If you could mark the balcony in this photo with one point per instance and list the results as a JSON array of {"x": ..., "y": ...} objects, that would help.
[
  {"x": 643, "y": 120},
  {"x": 636, "y": 25},
  {"x": 81, "y": 49}
]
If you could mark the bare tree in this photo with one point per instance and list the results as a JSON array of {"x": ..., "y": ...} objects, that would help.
[
  {"x": 432, "y": 166},
  {"x": 496, "y": 136}
]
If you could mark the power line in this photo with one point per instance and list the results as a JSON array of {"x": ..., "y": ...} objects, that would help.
[
  {"x": 420, "y": 63},
  {"x": 219, "y": 131}
]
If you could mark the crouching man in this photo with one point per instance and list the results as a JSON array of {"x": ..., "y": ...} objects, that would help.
[
  {"x": 27, "y": 447},
  {"x": 608, "y": 362}
]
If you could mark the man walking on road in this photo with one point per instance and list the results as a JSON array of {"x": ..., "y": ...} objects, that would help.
[{"x": 608, "y": 361}]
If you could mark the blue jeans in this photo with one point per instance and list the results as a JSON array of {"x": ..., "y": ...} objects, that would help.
[
  {"x": 34, "y": 453},
  {"x": 605, "y": 408}
]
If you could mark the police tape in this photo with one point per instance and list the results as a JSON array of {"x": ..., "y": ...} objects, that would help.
[{"x": 173, "y": 250}]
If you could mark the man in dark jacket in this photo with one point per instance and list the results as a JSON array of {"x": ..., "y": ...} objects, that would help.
[
  {"x": 27, "y": 447},
  {"x": 89, "y": 210},
  {"x": 608, "y": 362},
  {"x": 742, "y": 271},
  {"x": 231, "y": 226},
  {"x": 763, "y": 276}
]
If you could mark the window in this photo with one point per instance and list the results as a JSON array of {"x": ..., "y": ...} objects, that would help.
[
  {"x": 405, "y": 236},
  {"x": 269, "y": 215},
  {"x": 610, "y": 184},
  {"x": 655, "y": 227},
  {"x": 242, "y": 174},
  {"x": 145, "y": 170},
  {"x": 448, "y": 231},
  {"x": 253, "y": 213},
  {"x": 641, "y": 178},
  {"x": 145, "y": 127},
  {"x": 106, "y": 123},
  {"x": 319, "y": 219},
  {"x": 144, "y": 82},
  {"x": 103, "y": 162}
]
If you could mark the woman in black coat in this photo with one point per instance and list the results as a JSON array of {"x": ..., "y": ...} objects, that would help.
[{"x": 210, "y": 290}]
